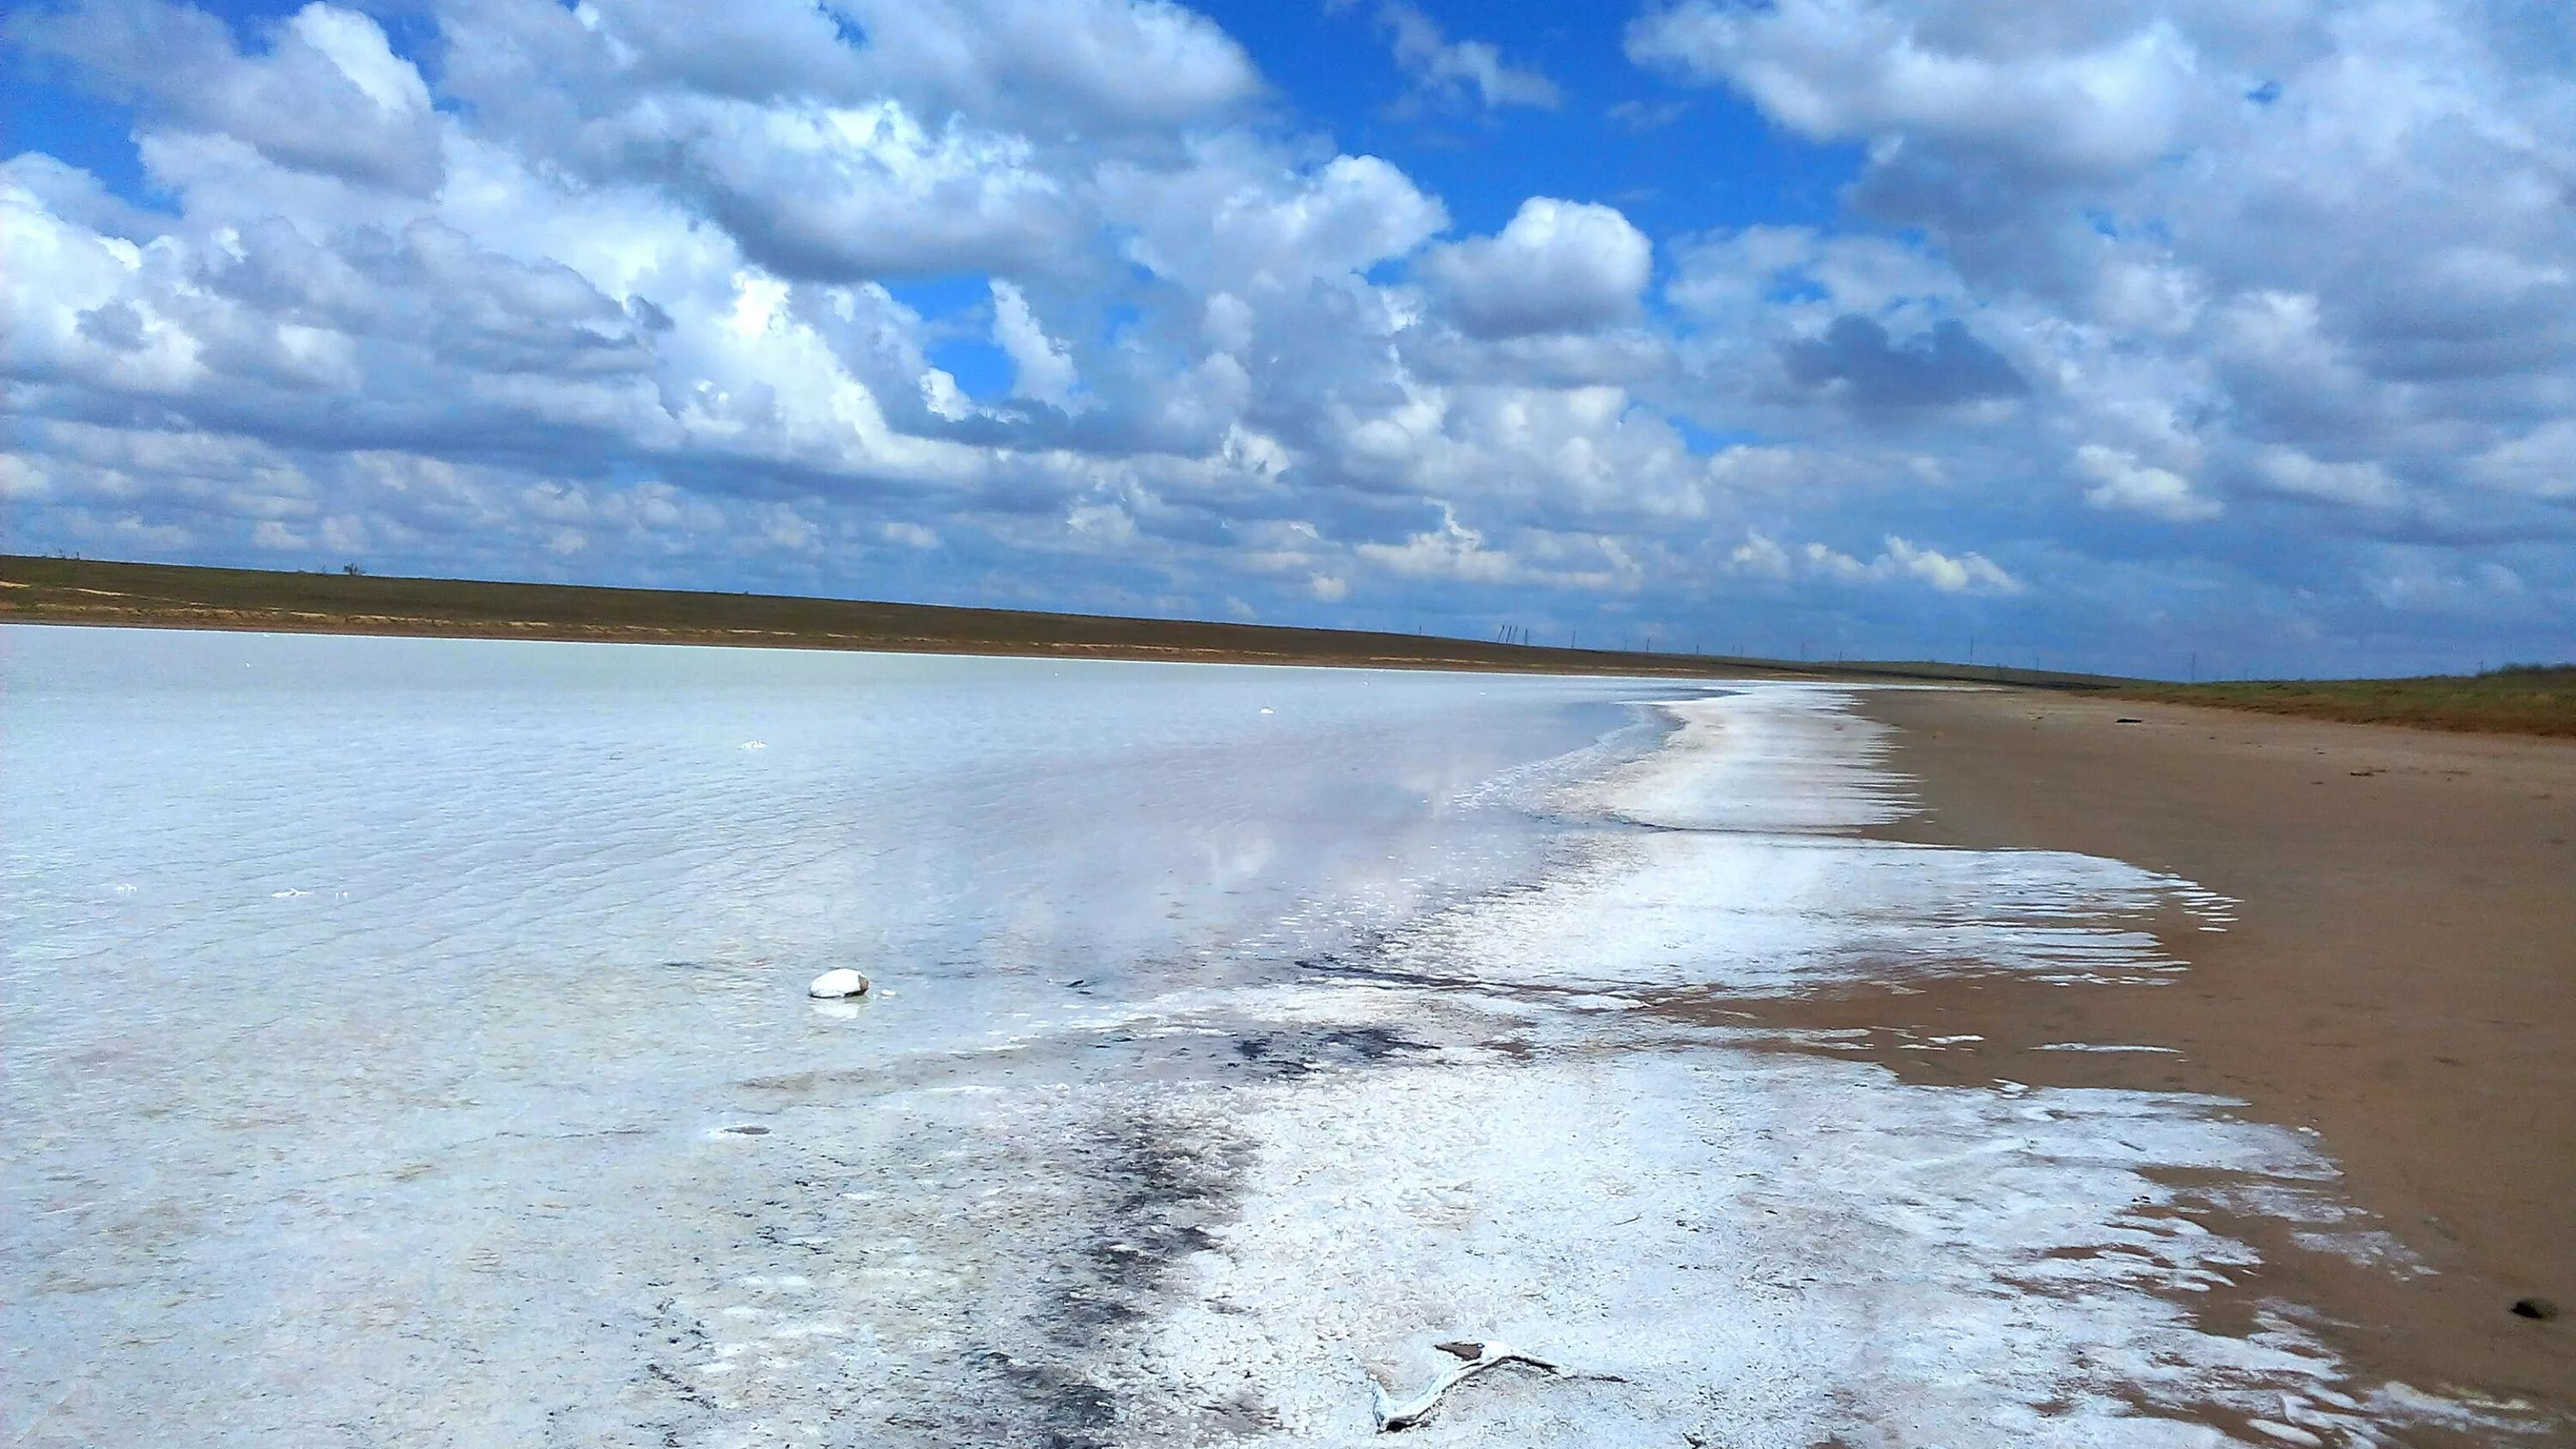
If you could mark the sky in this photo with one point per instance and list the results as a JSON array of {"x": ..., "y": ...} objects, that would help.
[{"x": 2196, "y": 338}]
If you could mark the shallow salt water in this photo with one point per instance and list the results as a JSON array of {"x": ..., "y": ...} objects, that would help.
[
  {"x": 407, "y": 1043},
  {"x": 378, "y": 1009}
]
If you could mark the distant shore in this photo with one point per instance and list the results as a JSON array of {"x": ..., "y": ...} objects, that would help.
[{"x": 174, "y": 596}]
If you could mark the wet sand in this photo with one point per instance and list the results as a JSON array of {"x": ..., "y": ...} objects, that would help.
[{"x": 2400, "y": 982}]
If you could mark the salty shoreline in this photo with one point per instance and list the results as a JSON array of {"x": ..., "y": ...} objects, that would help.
[
  {"x": 1701, "y": 1020},
  {"x": 2396, "y": 983}
]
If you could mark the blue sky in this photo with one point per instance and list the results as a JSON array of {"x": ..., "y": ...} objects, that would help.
[{"x": 2122, "y": 336}]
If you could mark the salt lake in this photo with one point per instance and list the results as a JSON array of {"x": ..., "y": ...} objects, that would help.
[{"x": 407, "y": 1043}]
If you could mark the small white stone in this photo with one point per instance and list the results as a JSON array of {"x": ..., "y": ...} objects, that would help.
[{"x": 838, "y": 982}]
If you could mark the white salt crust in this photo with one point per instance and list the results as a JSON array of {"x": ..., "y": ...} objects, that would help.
[
  {"x": 1760, "y": 1249},
  {"x": 1720, "y": 1245},
  {"x": 1764, "y": 757}
]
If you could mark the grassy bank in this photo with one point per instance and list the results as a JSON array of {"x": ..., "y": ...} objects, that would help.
[{"x": 2518, "y": 699}]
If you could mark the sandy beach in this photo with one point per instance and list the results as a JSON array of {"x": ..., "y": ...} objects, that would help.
[{"x": 2400, "y": 982}]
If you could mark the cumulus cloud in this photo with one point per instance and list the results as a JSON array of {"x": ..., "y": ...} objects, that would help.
[
  {"x": 1044, "y": 368},
  {"x": 2292, "y": 253},
  {"x": 2086, "y": 94},
  {"x": 1058, "y": 302},
  {"x": 1237, "y": 220},
  {"x": 863, "y": 192},
  {"x": 1557, "y": 266},
  {"x": 1113, "y": 61},
  {"x": 328, "y": 95}
]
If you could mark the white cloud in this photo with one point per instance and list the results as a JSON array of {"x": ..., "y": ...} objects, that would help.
[
  {"x": 1125, "y": 62},
  {"x": 2411, "y": 581},
  {"x": 1238, "y": 221},
  {"x": 1762, "y": 556},
  {"x": 1951, "y": 574},
  {"x": 2308, "y": 259},
  {"x": 2073, "y": 97},
  {"x": 1044, "y": 368},
  {"x": 2540, "y": 463},
  {"x": 2122, "y": 482},
  {"x": 1898, "y": 561},
  {"x": 863, "y": 190},
  {"x": 1452, "y": 552},
  {"x": 1557, "y": 266},
  {"x": 2351, "y": 484},
  {"x": 327, "y": 96},
  {"x": 1458, "y": 67}
]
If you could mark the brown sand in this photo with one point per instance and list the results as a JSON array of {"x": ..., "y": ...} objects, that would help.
[{"x": 2401, "y": 981}]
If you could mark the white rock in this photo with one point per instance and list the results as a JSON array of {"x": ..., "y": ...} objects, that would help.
[{"x": 838, "y": 982}]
